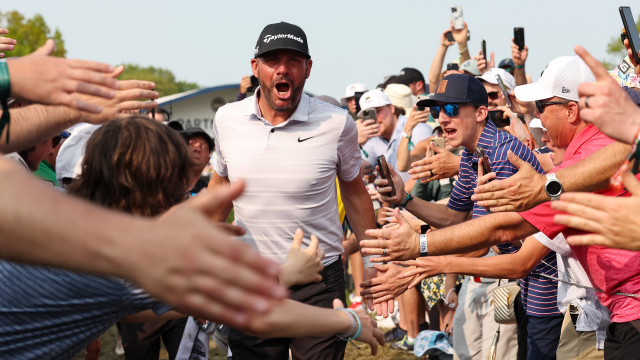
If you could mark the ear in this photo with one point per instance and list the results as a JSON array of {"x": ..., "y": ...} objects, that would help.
[
  {"x": 392, "y": 108},
  {"x": 573, "y": 116},
  {"x": 309, "y": 63},
  {"x": 481, "y": 114},
  {"x": 254, "y": 66}
]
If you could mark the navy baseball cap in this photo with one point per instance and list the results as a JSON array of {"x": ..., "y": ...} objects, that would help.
[
  {"x": 457, "y": 89},
  {"x": 506, "y": 63},
  {"x": 281, "y": 35}
]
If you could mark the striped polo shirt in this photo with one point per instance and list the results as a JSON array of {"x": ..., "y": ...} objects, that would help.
[
  {"x": 290, "y": 171},
  {"x": 539, "y": 294},
  {"x": 48, "y": 313}
]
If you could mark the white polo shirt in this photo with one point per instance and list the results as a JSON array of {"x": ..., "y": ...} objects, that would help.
[{"x": 290, "y": 170}]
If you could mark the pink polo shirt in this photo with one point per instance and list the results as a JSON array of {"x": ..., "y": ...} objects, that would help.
[{"x": 610, "y": 270}]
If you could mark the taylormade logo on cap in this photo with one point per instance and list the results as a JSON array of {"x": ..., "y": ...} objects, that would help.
[
  {"x": 281, "y": 36},
  {"x": 268, "y": 38}
]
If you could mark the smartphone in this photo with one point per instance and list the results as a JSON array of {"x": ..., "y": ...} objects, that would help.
[
  {"x": 483, "y": 45},
  {"x": 486, "y": 168},
  {"x": 438, "y": 142},
  {"x": 632, "y": 32},
  {"x": 357, "y": 95},
  {"x": 505, "y": 92},
  {"x": 518, "y": 37},
  {"x": 457, "y": 18},
  {"x": 370, "y": 114},
  {"x": 254, "y": 84},
  {"x": 449, "y": 35},
  {"x": 385, "y": 174}
]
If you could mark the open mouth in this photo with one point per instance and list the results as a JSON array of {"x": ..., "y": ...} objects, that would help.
[
  {"x": 450, "y": 132},
  {"x": 283, "y": 89}
]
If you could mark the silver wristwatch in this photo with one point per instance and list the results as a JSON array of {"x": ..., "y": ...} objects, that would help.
[{"x": 553, "y": 187}]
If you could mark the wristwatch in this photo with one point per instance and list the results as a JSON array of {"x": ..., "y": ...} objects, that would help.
[{"x": 553, "y": 187}]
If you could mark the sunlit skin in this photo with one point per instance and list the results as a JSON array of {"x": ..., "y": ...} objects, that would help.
[
  {"x": 386, "y": 120},
  {"x": 465, "y": 128},
  {"x": 281, "y": 74},
  {"x": 561, "y": 121},
  {"x": 500, "y": 100},
  {"x": 199, "y": 150}
]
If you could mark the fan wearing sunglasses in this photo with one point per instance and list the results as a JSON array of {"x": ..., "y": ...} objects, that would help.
[{"x": 460, "y": 104}]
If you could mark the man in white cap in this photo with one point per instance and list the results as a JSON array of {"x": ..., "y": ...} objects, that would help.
[
  {"x": 612, "y": 271},
  {"x": 349, "y": 100}
]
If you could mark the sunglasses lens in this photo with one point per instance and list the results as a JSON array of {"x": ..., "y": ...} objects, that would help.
[
  {"x": 451, "y": 109},
  {"x": 435, "y": 111},
  {"x": 493, "y": 95}
]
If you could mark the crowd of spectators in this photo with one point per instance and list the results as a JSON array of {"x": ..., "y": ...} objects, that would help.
[{"x": 436, "y": 196}]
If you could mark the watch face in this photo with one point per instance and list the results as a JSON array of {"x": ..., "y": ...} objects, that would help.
[{"x": 554, "y": 188}]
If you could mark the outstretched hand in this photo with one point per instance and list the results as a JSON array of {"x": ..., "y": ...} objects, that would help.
[
  {"x": 607, "y": 101},
  {"x": 6, "y": 44},
  {"x": 398, "y": 242},
  {"x": 610, "y": 221},
  {"x": 442, "y": 165},
  {"x": 206, "y": 273},
  {"x": 522, "y": 191},
  {"x": 43, "y": 79},
  {"x": 370, "y": 333},
  {"x": 302, "y": 266},
  {"x": 387, "y": 286}
]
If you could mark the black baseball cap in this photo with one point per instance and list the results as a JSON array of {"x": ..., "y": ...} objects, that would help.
[
  {"x": 196, "y": 131},
  {"x": 410, "y": 75},
  {"x": 281, "y": 35},
  {"x": 457, "y": 89}
]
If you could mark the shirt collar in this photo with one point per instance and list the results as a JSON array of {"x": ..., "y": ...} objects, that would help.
[
  {"x": 580, "y": 139},
  {"x": 487, "y": 138}
]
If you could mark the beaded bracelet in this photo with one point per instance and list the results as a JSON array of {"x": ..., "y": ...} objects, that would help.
[
  {"x": 355, "y": 321},
  {"x": 5, "y": 93}
]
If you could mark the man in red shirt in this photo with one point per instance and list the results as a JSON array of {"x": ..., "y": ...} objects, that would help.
[{"x": 613, "y": 271}]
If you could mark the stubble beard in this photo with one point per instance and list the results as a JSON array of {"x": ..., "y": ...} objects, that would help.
[{"x": 267, "y": 93}]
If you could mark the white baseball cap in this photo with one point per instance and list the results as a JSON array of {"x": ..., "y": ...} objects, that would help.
[
  {"x": 560, "y": 78},
  {"x": 71, "y": 153},
  {"x": 470, "y": 66},
  {"x": 373, "y": 99},
  {"x": 535, "y": 123},
  {"x": 490, "y": 77},
  {"x": 351, "y": 91},
  {"x": 401, "y": 95}
]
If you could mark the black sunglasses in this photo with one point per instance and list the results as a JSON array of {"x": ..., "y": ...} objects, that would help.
[
  {"x": 541, "y": 105},
  {"x": 493, "y": 95}
]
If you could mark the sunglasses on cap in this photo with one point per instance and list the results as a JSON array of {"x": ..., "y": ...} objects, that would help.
[{"x": 541, "y": 105}]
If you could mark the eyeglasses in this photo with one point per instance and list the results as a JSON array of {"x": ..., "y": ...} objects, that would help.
[
  {"x": 492, "y": 95},
  {"x": 199, "y": 144},
  {"x": 540, "y": 105},
  {"x": 449, "y": 109}
]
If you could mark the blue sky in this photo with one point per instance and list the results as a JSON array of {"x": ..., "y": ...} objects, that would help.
[{"x": 211, "y": 42}]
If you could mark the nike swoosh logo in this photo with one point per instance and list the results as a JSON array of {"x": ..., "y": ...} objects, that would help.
[{"x": 301, "y": 140}]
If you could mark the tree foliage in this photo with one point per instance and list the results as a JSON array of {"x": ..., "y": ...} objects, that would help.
[
  {"x": 30, "y": 33},
  {"x": 166, "y": 83},
  {"x": 615, "y": 48}
]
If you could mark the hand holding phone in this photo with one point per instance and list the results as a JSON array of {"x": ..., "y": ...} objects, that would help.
[
  {"x": 385, "y": 173},
  {"x": 457, "y": 18},
  {"x": 504, "y": 90},
  {"x": 518, "y": 37},
  {"x": 370, "y": 114},
  {"x": 486, "y": 168},
  {"x": 631, "y": 32}
]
